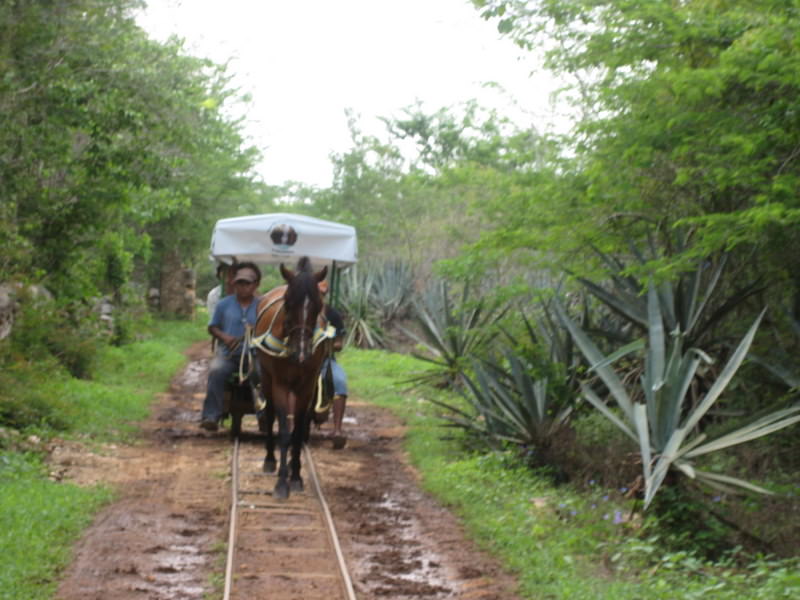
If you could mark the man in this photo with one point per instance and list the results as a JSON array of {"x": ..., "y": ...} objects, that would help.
[
  {"x": 216, "y": 294},
  {"x": 227, "y": 326},
  {"x": 338, "y": 375}
]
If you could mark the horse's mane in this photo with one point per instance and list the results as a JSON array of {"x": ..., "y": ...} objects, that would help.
[{"x": 303, "y": 284}]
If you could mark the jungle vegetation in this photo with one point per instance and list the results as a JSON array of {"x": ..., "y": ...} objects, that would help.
[{"x": 618, "y": 306}]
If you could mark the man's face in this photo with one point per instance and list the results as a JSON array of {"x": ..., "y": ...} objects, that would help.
[{"x": 245, "y": 283}]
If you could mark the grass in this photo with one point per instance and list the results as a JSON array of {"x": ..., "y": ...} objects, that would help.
[
  {"x": 39, "y": 518},
  {"x": 562, "y": 543},
  {"x": 39, "y": 521}
]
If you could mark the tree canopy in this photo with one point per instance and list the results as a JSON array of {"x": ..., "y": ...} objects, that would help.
[{"x": 113, "y": 145}]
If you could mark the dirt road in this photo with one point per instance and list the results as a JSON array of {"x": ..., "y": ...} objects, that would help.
[{"x": 164, "y": 539}]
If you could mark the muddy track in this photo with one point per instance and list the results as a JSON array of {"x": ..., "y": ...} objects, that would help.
[{"x": 165, "y": 537}]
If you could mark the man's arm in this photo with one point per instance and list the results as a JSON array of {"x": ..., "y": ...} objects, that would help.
[{"x": 230, "y": 341}]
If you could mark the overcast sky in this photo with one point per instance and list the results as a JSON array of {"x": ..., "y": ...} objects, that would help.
[{"x": 305, "y": 62}]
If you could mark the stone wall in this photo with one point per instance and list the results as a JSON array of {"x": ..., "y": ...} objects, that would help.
[
  {"x": 177, "y": 293},
  {"x": 7, "y": 307},
  {"x": 11, "y": 294}
]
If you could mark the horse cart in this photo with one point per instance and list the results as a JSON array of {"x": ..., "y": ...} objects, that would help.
[{"x": 277, "y": 239}]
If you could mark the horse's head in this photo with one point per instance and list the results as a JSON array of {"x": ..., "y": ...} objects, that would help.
[{"x": 302, "y": 304}]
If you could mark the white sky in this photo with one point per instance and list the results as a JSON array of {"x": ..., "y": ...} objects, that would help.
[{"x": 305, "y": 62}]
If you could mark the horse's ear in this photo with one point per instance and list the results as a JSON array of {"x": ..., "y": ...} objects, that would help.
[
  {"x": 288, "y": 274},
  {"x": 320, "y": 275}
]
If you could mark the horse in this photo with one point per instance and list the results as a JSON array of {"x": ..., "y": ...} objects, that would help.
[{"x": 292, "y": 338}]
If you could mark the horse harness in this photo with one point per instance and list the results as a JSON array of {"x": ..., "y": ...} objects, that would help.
[{"x": 270, "y": 344}]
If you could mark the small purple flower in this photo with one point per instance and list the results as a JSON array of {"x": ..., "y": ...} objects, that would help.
[
  {"x": 716, "y": 499},
  {"x": 623, "y": 489},
  {"x": 594, "y": 505},
  {"x": 591, "y": 482},
  {"x": 617, "y": 517},
  {"x": 605, "y": 517},
  {"x": 562, "y": 505},
  {"x": 573, "y": 512},
  {"x": 605, "y": 498}
]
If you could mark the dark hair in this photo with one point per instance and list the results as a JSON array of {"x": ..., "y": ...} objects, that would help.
[{"x": 247, "y": 265}]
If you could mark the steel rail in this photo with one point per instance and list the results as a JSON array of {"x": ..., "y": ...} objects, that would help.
[
  {"x": 346, "y": 581},
  {"x": 232, "y": 528}
]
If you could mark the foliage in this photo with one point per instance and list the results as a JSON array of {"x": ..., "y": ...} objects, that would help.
[
  {"x": 363, "y": 322},
  {"x": 689, "y": 300},
  {"x": 511, "y": 405},
  {"x": 664, "y": 425},
  {"x": 375, "y": 294},
  {"x": 453, "y": 331},
  {"x": 111, "y": 141},
  {"x": 561, "y": 544},
  {"x": 698, "y": 100},
  {"x": 523, "y": 396},
  {"x": 781, "y": 361},
  {"x": 392, "y": 289},
  {"x": 39, "y": 521},
  {"x": 69, "y": 332},
  {"x": 114, "y": 397}
]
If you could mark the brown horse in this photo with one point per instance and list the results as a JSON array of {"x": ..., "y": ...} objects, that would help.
[{"x": 290, "y": 335}]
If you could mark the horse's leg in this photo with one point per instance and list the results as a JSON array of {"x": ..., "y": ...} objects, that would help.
[
  {"x": 296, "y": 481},
  {"x": 281, "y": 490},
  {"x": 269, "y": 423},
  {"x": 266, "y": 421},
  {"x": 301, "y": 424}
]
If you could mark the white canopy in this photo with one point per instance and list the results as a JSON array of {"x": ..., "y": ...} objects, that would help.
[{"x": 283, "y": 238}]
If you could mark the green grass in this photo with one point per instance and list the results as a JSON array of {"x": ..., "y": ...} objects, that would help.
[
  {"x": 39, "y": 522},
  {"x": 41, "y": 519},
  {"x": 562, "y": 544}
]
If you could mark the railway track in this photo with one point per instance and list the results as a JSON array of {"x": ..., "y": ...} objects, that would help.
[{"x": 280, "y": 550}]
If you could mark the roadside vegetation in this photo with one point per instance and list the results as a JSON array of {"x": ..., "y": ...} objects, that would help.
[
  {"x": 40, "y": 517},
  {"x": 583, "y": 540}
]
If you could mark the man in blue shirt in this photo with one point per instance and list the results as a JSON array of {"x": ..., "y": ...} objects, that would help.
[{"x": 227, "y": 325}]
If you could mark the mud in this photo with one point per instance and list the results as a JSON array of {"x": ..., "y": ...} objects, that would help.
[{"x": 164, "y": 538}]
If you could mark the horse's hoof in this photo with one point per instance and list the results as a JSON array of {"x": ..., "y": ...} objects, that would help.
[
  {"x": 339, "y": 441},
  {"x": 296, "y": 485},
  {"x": 281, "y": 491},
  {"x": 269, "y": 465}
]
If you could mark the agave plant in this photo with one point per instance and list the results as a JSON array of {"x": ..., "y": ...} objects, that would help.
[
  {"x": 664, "y": 425},
  {"x": 392, "y": 290},
  {"x": 509, "y": 405},
  {"x": 781, "y": 363},
  {"x": 364, "y": 328},
  {"x": 684, "y": 302},
  {"x": 452, "y": 332}
]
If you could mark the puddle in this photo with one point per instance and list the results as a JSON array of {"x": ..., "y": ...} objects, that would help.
[
  {"x": 404, "y": 564},
  {"x": 195, "y": 373}
]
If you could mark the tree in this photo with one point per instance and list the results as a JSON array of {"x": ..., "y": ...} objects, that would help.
[
  {"x": 696, "y": 101},
  {"x": 109, "y": 139}
]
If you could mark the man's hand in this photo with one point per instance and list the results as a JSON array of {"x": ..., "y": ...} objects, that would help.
[{"x": 231, "y": 342}]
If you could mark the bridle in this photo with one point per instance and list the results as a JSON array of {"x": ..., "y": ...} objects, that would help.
[{"x": 306, "y": 331}]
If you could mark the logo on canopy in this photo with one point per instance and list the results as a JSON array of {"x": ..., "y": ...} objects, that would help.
[{"x": 283, "y": 236}]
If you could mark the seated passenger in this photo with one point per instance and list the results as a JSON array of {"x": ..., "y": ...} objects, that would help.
[{"x": 227, "y": 326}]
